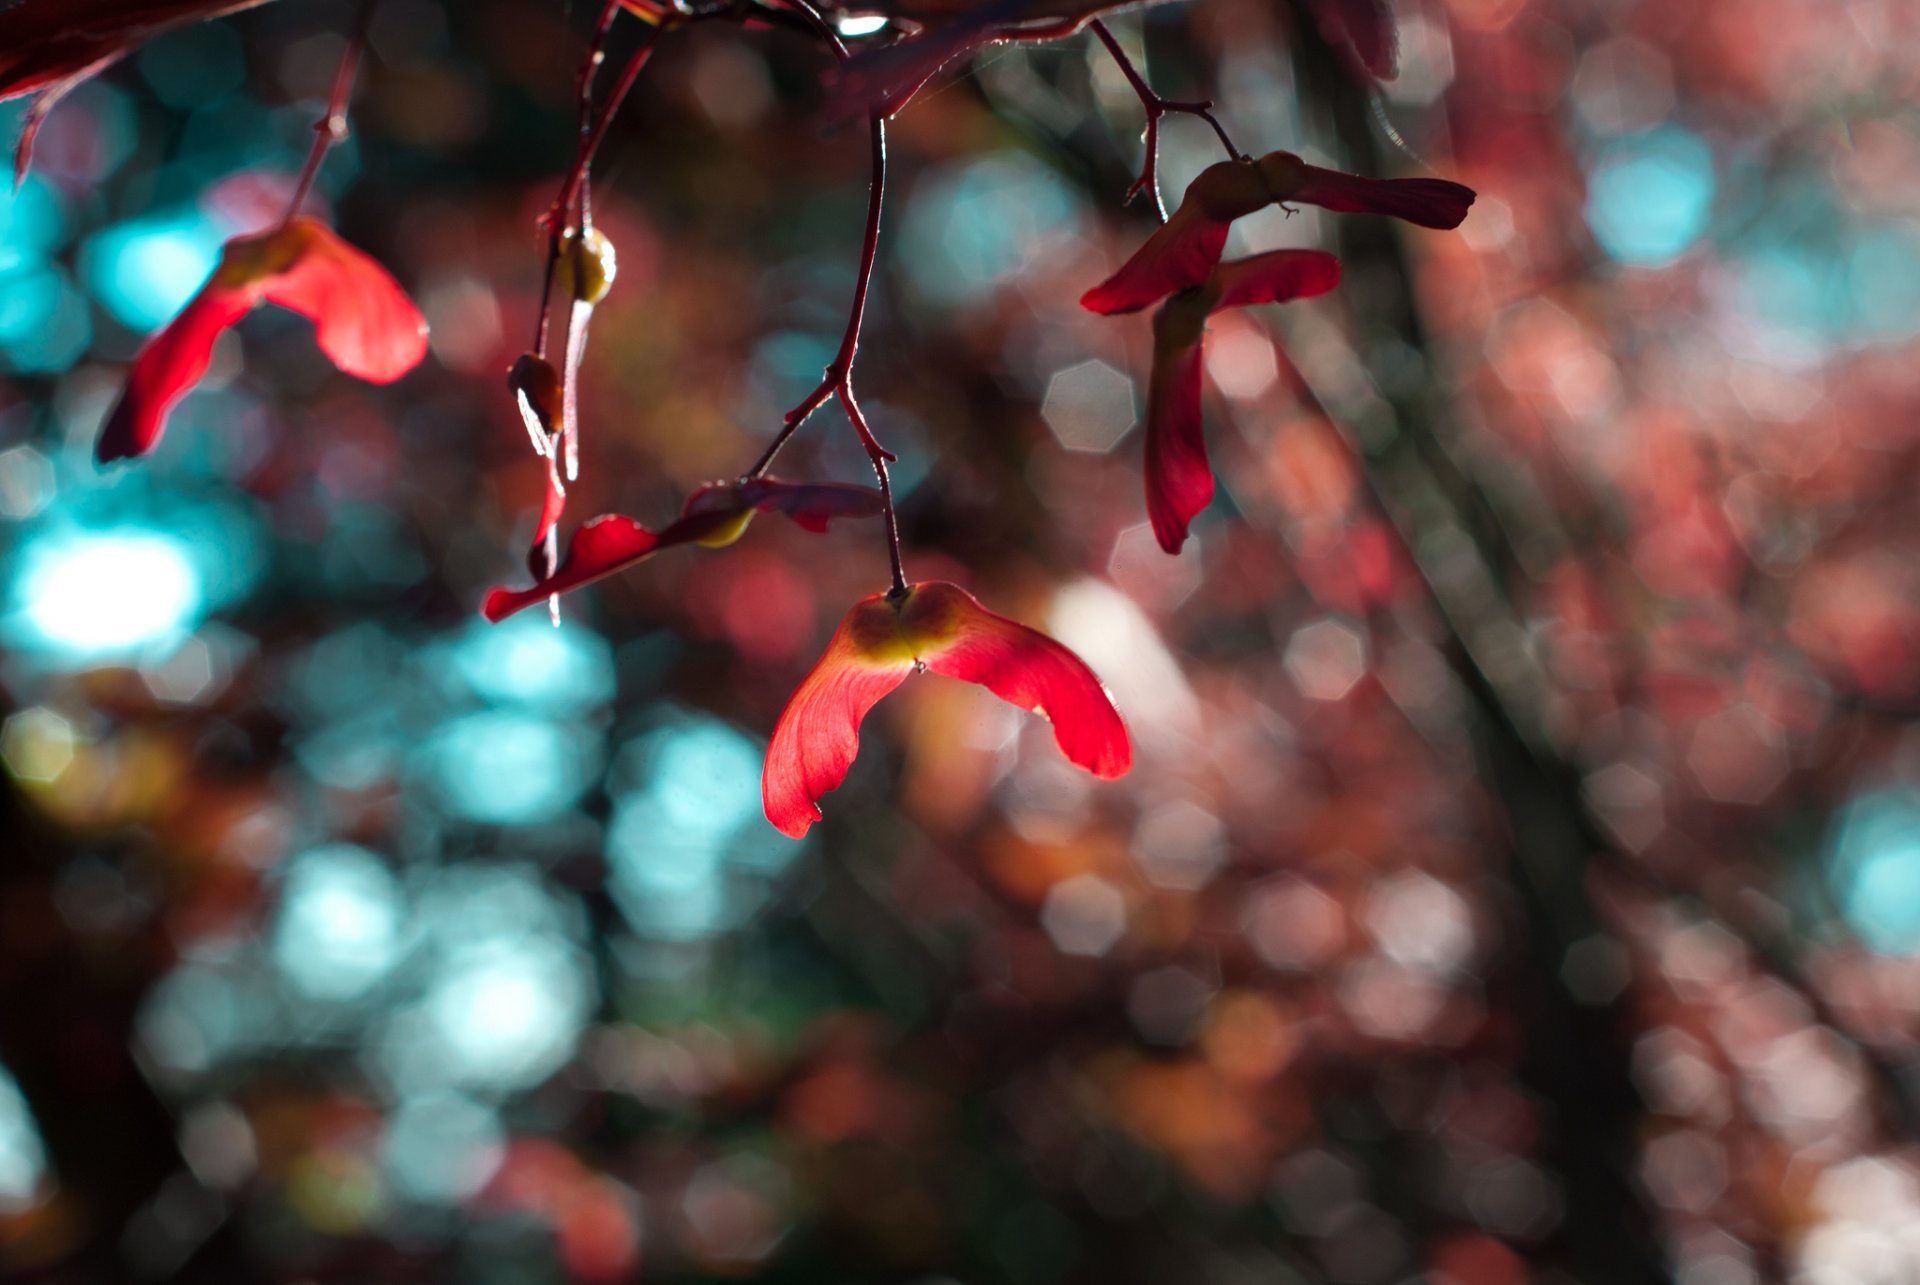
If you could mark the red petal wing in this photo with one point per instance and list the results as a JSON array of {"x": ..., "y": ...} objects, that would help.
[
  {"x": 1026, "y": 668},
  {"x": 600, "y": 547},
  {"x": 1275, "y": 277},
  {"x": 1180, "y": 254},
  {"x": 603, "y": 545},
  {"x": 1179, "y": 480},
  {"x": 1429, "y": 202},
  {"x": 812, "y": 504},
  {"x": 362, "y": 320},
  {"x": 818, "y": 734},
  {"x": 172, "y": 362}
]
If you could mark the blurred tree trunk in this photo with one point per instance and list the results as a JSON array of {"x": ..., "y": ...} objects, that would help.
[
  {"x": 1577, "y": 1055},
  {"x": 68, "y": 1004}
]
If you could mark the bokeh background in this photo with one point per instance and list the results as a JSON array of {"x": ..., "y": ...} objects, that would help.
[{"x": 1520, "y": 876}]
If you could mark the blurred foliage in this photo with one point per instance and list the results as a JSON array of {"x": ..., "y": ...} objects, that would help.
[{"x": 1543, "y": 905}]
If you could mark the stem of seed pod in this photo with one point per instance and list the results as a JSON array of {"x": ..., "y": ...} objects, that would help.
[
  {"x": 1156, "y": 107},
  {"x": 593, "y": 131},
  {"x": 331, "y": 128},
  {"x": 838, "y": 380}
]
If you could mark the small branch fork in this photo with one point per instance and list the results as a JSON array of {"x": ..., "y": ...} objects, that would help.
[
  {"x": 1156, "y": 107},
  {"x": 332, "y": 127},
  {"x": 571, "y": 215},
  {"x": 838, "y": 379}
]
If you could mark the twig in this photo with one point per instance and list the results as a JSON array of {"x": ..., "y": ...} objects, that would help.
[
  {"x": 332, "y": 127},
  {"x": 593, "y": 132},
  {"x": 838, "y": 380},
  {"x": 1156, "y": 107}
]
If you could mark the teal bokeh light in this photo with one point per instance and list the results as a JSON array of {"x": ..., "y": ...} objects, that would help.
[
  {"x": 80, "y": 597},
  {"x": 195, "y": 64},
  {"x": 32, "y": 225},
  {"x": 508, "y": 1013},
  {"x": 507, "y": 989},
  {"x": 689, "y": 850},
  {"x": 1874, "y": 865},
  {"x": 1883, "y": 279},
  {"x": 144, "y": 271},
  {"x": 526, "y": 661},
  {"x": 968, "y": 231},
  {"x": 1649, "y": 195},
  {"x": 44, "y": 325},
  {"x": 341, "y": 924},
  {"x": 442, "y": 1146},
  {"x": 23, "y": 1158},
  {"x": 509, "y": 768}
]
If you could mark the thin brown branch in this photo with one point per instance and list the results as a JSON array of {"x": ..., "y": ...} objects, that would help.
[
  {"x": 331, "y": 128},
  {"x": 569, "y": 212},
  {"x": 1156, "y": 107}
]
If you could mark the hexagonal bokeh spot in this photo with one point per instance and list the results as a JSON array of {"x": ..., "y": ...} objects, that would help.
[
  {"x": 1737, "y": 755},
  {"x": 1180, "y": 845},
  {"x": 1628, "y": 801},
  {"x": 1084, "y": 915},
  {"x": 1421, "y": 923},
  {"x": 36, "y": 745},
  {"x": 1623, "y": 85},
  {"x": 1147, "y": 575},
  {"x": 1325, "y": 659},
  {"x": 1166, "y": 1005},
  {"x": 184, "y": 677},
  {"x": 1292, "y": 924},
  {"x": 1089, "y": 407},
  {"x": 26, "y": 482}
]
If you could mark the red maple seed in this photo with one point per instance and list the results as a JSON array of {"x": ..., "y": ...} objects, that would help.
[
  {"x": 715, "y": 516},
  {"x": 363, "y": 322},
  {"x": 939, "y": 627},
  {"x": 1184, "y": 250},
  {"x": 1179, "y": 479}
]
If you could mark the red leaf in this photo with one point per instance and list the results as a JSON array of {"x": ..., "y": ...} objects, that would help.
[
  {"x": 714, "y": 515},
  {"x": 44, "y": 41},
  {"x": 818, "y": 734},
  {"x": 172, "y": 363},
  {"x": 543, "y": 558},
  {"x": 1176, "y": 257},
  {"x": 1184, "y": 249},
  {"x": 535, "y": 385},
  {"x": 1274, "y": 277},
  {"x": 812, "y": 504},
  {"x": 1179, "y": 479},
  {"x": 363, "y": 321},
  {"x": 1026, "y": 668},
  {"x": 880, "y": 81},
  {"x": 601, "y": 546},
  {"x": 1428, "y": 202},
  {"x": 880, "y": 642}
]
